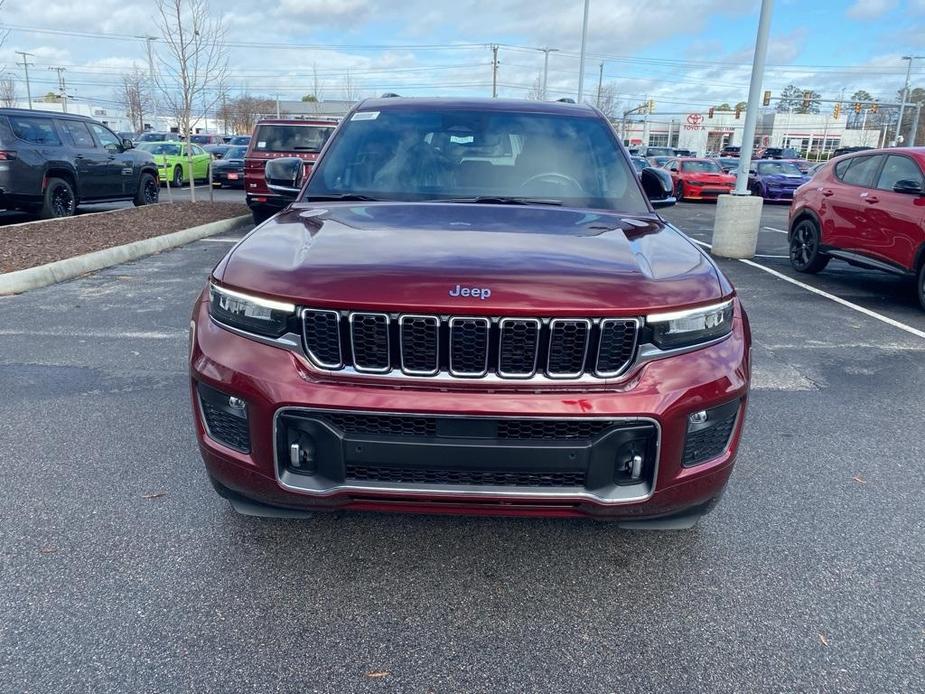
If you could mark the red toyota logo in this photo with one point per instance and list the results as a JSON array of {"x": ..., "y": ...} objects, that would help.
[{"x": 695, "y": 118}]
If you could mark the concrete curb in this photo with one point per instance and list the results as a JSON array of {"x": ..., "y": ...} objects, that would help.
[{"x": 69, "y": 268}]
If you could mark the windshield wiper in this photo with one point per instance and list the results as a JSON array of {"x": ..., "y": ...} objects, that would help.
[
  {"x": 305, "y": 149},
  {"x": 350, "y": 197},
  {"x": 502, "y": 200}
]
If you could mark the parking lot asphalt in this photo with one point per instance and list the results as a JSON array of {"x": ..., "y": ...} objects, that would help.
[
  {"x": 202, "y": 193},
  {"x": 122, "y": 571}
]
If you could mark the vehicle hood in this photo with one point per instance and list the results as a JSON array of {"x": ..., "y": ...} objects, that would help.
[
  {"x": 706, "y": 177},
  {"x": 411, "y": 256},
  {"x": 785, "y": 179}
]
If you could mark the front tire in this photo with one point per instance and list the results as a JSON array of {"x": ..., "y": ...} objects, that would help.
[
  {"x": 177, "y": 177},
  {"x": 59, "y": 201},
  {"x": 805, "y": 255},
  {"x": 148, "y": 191}
]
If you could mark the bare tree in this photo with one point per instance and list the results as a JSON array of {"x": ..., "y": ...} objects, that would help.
[
  {"x": 316, "y": 83},
  {"x": 536, "y": 90},
  {"x": 7, "y": 91},
  {"x": 609, "y": 105},
  {"x": 135, "y": 96},
  {"x": 243, "y": 112},
  {"x": 351, "y": 93},
  {"x": 193, "y": 63}
]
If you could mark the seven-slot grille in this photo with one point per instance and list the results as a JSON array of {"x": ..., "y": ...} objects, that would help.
[{"x": 469, "y": 346}]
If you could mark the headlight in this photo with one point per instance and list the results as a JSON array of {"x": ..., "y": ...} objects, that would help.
[
  {"x": 250, "y": 313},
  {"x": 691, "y": 327}
]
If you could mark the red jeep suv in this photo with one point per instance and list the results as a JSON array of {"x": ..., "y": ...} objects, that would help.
[
  {"x": 273, "y": 139},
  {"x": 866, "y": 208},
  {"x": 470, "y": 307}
]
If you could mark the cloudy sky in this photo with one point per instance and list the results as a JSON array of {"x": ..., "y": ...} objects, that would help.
[{"x": 686, "y": 54}]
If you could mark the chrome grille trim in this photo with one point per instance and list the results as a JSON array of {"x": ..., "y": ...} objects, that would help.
[
  {"x": 487, "y": 326},
  {"x": 597, "y": 359},
  {"x": 311, "y": 355},
  {"x": 388, "y": 347},
  {"x": 401, "y": 344},
  {"x": 584, "y": 359},
  {"x": 538, "y": 325}
]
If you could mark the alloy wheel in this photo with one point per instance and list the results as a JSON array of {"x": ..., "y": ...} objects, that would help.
[
  {"x": 804, "y": 245},
  {"x": 62, "y": 201},
  {"x": 151, "y": 191}
]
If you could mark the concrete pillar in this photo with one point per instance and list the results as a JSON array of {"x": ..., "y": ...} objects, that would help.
[{"x": 735, "y": 231}]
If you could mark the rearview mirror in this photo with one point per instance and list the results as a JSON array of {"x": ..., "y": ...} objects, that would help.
[
  {"x": 908, "y": 187},
  {"x": 658, "y": 186},
  {"x": 285, "y": 176}
]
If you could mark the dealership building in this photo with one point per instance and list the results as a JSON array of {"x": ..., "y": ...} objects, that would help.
[{"x": 699, "y": 132}]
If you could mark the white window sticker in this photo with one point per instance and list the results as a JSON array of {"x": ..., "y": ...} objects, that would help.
[
  {"x": 262, "y": 144},
  {"x": 365, "y": 115}
]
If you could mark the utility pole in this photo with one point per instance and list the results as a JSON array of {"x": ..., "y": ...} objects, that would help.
[
  {"x": 494, "y": 70},
  {"x": 277, "y": 107},
  {"x": 547, "y": 51},
  {"x": 25, "y": 67},
  {"x": 148, "y": 41},
  {"x": 581, "y": 61},
  {"x": 61, "y": 86},
  {"x": 902, "y": 106},
  {"x": 915, "y": 125},
  {"x": 600, "y": 83}
]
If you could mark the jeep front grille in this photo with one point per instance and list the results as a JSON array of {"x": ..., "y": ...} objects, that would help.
[{"x": 469, "y": 346}]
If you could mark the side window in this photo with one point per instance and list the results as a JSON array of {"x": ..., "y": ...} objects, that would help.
[
  {"x": 862, "y": 170},
  {"x": 106, "y": 137},
  {"x": 899, "y": 168},
  {"x": 38, "y": 131},
  {"x": 198, "y": 150},
  {"x": 841, "y": 168},
  {"x": 78, "y": 133}
]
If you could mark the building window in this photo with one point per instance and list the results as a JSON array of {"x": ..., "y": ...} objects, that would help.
[{"x": 658, "y": 139}]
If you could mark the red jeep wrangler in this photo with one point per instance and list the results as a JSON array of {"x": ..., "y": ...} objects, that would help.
[
  {"x": 273, "y": 139},
  {"x": 471, "y": 306}
]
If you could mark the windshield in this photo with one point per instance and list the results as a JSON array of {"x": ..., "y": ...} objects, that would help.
[
  {"x": 201, "y": 139},
  {"x": 235, "y": 153},
  {"x": 465, "y": 154},
  {"x": 660, "y": 151},
  {"x": 291, "y": 138},
  {"x": 240, "y": 140},
  {"x": 704, "y": 166},
  {"x": 161, "y": 148},
  {"x": 152, "y": 137},
  {"x": 778, "y": 167}
]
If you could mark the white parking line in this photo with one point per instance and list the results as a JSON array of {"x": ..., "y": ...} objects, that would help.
[
  {"x": 779, "y": 231},
  {"x": 836, "y": 299}
]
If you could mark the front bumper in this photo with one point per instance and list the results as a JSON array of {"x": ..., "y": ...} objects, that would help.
[
  {"x": 658, "y": 397},
  {"x": 705, "y": 192}
]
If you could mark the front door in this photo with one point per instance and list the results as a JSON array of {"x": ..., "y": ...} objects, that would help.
[{"x": 122, "y": 173}]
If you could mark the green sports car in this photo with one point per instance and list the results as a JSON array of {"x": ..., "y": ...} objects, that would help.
[{"x": 173, "y": 164}]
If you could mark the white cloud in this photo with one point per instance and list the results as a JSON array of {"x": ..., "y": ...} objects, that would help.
[{"x": 870, "y": 9}]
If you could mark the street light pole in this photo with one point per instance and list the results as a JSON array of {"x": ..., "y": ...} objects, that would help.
[
  {"x": 148, "y": 41},
  {"x": 754, "y": 89},
  {"x": 547, "y": 51},
  {"x": 581, "y": 61},
  {"x": 902, "y": 106}
]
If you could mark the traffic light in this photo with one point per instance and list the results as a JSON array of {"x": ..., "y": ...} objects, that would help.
[
  {"x": 807, "y": 99},
  {"x": 857, "y": 107},
  {"x": 738, "y": 112},
  {"x": 710, "y": 112},
  {"x": 836, "y": 112},
  {"x": 650, "y": 104},
  {"x": 874, "y": 106},
  {"x": 767, "y": 99}
]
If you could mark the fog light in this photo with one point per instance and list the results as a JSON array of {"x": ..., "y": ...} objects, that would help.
[
  {"x": 709, "y": 432},
  {"x": 236, "y": 403},
  {"x": 699, "y": 417}
]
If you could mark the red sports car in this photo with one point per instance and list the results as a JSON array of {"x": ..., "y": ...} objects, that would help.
[{"x": 699, "y": 179}]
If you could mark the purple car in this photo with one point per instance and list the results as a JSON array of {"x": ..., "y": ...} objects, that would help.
[{"x": 775, "y": 179}]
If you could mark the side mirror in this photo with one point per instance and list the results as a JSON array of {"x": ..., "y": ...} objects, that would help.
[
  {"x": 658, "y": 186},
  {"x": 909, "y": 187},
  {"x": 285, "y": 176},
  {"x": 127, "y": 143}
]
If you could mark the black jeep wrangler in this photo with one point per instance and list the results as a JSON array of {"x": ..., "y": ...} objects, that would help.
[{"x": 52, "y": 162}]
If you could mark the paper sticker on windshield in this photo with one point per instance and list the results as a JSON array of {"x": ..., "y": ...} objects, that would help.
[
  {"x": 262, "y": 144},
  {"x": 365, "y": 115}
]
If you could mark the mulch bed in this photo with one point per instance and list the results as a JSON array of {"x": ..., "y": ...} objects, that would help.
[{"x": 56, "y": 239}]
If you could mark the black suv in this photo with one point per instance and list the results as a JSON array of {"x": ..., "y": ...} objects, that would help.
[{"x": 52, "y": 162}]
